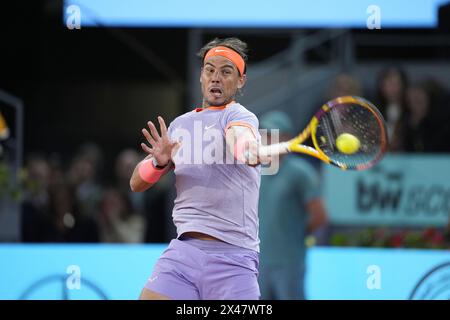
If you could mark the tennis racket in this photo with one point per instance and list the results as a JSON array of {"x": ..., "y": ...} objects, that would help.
[{"x": 341, "y": 118}]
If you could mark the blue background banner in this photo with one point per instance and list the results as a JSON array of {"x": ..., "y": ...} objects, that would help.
[
  {"x": 40, "y": 271},
  {"x": 378, "y": 274},
  {"x": 253, "y": 13},
  {"x": 403, "y": 190},
  {"x": 120, "y": 272}
]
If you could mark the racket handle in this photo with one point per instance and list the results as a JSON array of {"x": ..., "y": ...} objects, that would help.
[{"x": 274, "y": 149}]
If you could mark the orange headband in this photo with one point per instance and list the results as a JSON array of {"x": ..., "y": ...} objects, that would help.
[{"x": 230, "y": 54}]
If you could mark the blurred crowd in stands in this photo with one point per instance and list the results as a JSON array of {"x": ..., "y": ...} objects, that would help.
[
  {"x": 416, "y": 113},
  {"x": 72, "y": 204}
]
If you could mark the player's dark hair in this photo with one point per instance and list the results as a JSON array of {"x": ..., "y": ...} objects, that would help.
[{"x": 233, "y": 43}]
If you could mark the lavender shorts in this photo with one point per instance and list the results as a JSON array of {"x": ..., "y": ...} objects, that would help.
[{"x": 192, "y": 269}]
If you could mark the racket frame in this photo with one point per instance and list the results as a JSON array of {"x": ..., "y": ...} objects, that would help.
[{"x": 295, "y": 144}]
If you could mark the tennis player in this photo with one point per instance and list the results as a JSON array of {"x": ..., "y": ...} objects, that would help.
[{"x": 215, "y": 254}]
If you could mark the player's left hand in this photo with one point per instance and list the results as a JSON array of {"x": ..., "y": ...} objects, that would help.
[{"x": 161, "y": 148}]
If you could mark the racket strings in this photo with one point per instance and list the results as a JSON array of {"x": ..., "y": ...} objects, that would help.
[
  {"x": 358, "y": 121},
  {"x": 330, "y": 134}
]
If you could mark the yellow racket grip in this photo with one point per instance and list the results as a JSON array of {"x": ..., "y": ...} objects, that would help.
[{"x": 300, "y": 148}]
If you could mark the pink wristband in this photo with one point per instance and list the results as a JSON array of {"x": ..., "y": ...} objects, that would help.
[{"x": 148, "y": 172}]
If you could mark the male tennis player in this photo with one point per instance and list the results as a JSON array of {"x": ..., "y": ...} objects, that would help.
[{"x": 215, "y": 255}]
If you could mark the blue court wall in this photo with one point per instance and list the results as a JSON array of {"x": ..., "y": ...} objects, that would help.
[
  {"x": 120, "y": 271},
  {"x": 254, "y": 13}
]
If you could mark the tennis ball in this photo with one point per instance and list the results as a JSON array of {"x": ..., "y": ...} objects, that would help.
[{"x": 347, "y": 143}]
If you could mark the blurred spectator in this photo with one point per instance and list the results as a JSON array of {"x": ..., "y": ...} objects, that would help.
[
  {"x": 154, "y": 205},
  {"x": 57, "y": 170},
  {"x": 425, "y": 128},
  {"x": 118, "y": 222},
  {"x": 92, "y": 151},
  {"x": 290, "y": 207},
  {"x": 83, "y": 176},
  {"x": 66, "y": 222},
  {"x": 63, "y": 222},
  {"x": 419, "y": 125},
  {"x": 344, "y": 84},
  {"x": 391, "y": 100},
  {"x": 125, "y": 163},
  {"x": 36, "y": 202},
  {"x": 37, "y": 180},
  {"x": 440, "y": 105}
]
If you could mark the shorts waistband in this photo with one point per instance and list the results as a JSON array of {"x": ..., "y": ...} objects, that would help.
[{"x": 211, "y": 246}]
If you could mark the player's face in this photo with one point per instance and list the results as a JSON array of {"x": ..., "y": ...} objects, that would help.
[{"x": 220, "y": 81}]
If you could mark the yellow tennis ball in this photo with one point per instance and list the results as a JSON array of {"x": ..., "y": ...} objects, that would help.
[{"x": 347, "y": 143}]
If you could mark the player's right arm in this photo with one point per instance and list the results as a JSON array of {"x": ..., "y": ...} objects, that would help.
[
  {"x": 146, "y": 174},
  {"x": 242, "y": 143}
]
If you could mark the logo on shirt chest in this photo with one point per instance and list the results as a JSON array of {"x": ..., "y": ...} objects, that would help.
[
  {"x": 209, "y": 127},
  {"x": 201, "y": 143}
]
